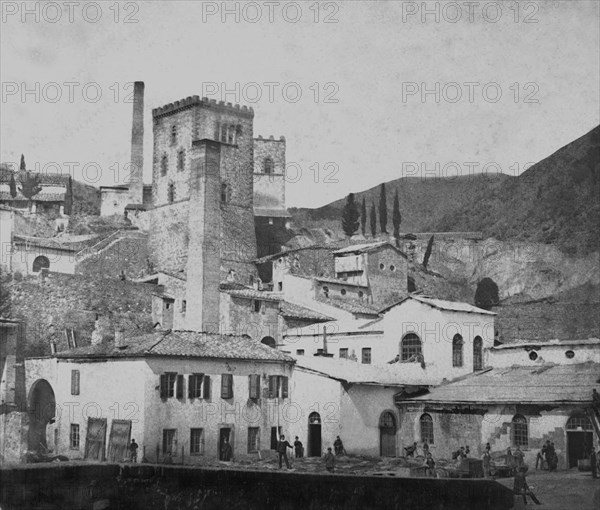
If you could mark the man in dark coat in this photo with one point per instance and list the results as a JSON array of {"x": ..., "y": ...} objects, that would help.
[
  {"x": 226, "y": 451},
  {"x": 298, "y": 448},
  {"x": 282, "y": 446},
  {"x": 521, "y": 488},
  {"x": 594, "y": 463}
]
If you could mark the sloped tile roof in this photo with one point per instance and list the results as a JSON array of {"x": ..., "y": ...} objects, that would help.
[
  {"x": 338, "y": 281},
  {"x": 349, "y": 306},
  {"x": 548, "y": 383},
  {"x": 441, "y": 304},
  {"x": 40, "y": 197},
  {"x": 293, "y": 311},
  {"x": 367, "y": 247},
  {"x": 188, "y": 344},
  {"x": 358, "y": 373},
  {"x": 252, "y": 294}
]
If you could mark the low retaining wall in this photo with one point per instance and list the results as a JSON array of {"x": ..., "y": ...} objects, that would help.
[{"x": 153, "y": 487}]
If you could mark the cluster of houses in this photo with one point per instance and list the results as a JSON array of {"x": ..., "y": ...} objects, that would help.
[{"x": 314, "y": 342}]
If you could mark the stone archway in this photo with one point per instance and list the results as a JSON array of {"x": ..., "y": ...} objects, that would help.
[
  {"x": 269, "y": 341},
  {"x": 40, "y": 262},
  {"x": 41, "y": 407}
]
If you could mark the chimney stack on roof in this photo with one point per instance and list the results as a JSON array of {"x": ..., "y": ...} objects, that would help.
[{"x": 136, "y": 175}]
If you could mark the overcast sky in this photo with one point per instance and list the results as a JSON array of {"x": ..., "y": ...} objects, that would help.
[{"x": 361, "y": 118}]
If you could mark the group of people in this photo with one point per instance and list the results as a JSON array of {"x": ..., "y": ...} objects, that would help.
[
  {"x": 329, "y": 457},
  {"x": 547, "y": 457}
]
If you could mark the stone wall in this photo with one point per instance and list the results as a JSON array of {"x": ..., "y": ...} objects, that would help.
[
  {"x": 388, "y": 283},
  {"x": 168, "y": 237},
  {"x": 73, "y": 301},
  {"x": 150, "y": 487}
]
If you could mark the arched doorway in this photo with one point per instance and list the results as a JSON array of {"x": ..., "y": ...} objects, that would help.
[
  {"x": 580, "y": 438},
  {"x": 269, "y": 341},
  {"x": 41, "y": 406},
  {"x": 477, "y": 353},
  {"x": 314, "y": 435},
  {"x": 387, "y": 434},
  {"x": 40, "y": 263}
]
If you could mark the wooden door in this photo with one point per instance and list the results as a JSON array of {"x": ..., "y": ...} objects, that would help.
[
  {"x": 118, "y": 440},
  {"x": 95, "y": 440}
]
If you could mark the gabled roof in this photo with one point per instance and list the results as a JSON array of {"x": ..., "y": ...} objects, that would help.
[
  {"x": 357, "y": 373},
  {"x": 294, "y": 311},
  {"x": 368, "y": 247},
  {"x": 441, "y": 304},
  {"x": 542, "y": 384},
  {"x": 339, "y": 281},
  {"x": 289, "y": 251},
  {"x": 186, "y": 344},
  {"x": 349, "y": 306}
]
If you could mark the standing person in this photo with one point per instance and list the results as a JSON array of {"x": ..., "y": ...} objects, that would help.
[
  {"x": 430, "y": 463},
  {"x": 298, "y": 448},
  {"x": 339, "y": 446},
  {"x": 410, "y": 450},
  {"x": 425, "y": 450},
  {"x": 487, "y": 463},
  {"x": 552, "y": 457},
  {"x": 133, "y": 449},
  {"x": 467, "y": 451},
  {"x": 518, "y": 456},
  {"x": 282, "y": 446},
  {"x": 594, "y": 463},
  {"x": 510, "y": 461},
  {"x": 226, "y": 450},
  {"x": 329, "y": 459},
  {"x": 541, "y": 457},
  {"x": 488, "y": 448},
  {"x": 520, "y": 487}
]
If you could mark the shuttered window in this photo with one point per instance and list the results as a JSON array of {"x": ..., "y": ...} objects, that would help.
[
  {"x": 278, "y": 386},
  {"x": 195, "y": 385},
  {"x": 254, "y": 385},
  {"x": 206, "y": 387},
  {"x": 179, "y": 387},
  {"x": 167, "y": 385},
  {"x": 227, "y": 386},
  {"x": 75, "y": 382}
]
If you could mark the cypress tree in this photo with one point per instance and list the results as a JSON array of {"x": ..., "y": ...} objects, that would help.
[
  {"x": 383, "y": 210},
  {"x": 396, "y": 217},
  {"x": 373, "y": 220},
  {"x": 350, "y": 216},
  {"x": 428, "y": 252},
  {"x": 363, "y": 217},
  {"x": 13, "y": 186}
]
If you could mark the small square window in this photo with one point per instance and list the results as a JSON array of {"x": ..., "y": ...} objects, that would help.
[
  {"x": 366, "y": 355},
  {"x": 344, "y": 353},
  {"x": 299, "y": 352}
]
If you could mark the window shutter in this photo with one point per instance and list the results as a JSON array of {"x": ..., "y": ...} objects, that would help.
[
  {"x": 284, "y": 387},
  {"x": 272, "y": 386},
  {"x": 179, "y": 386},
  {"x": 74, "y": 382},
  {"x": 191, "y": 386},
  {"x": 254, "y": 381},
  {"x": 206, "y": 387},
  {"x": 226, "y": 386},
  {"x": 163, "y": 386}
]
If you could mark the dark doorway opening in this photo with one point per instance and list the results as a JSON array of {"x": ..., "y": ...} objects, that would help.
[
  {"x": 275, "y": 437},
  {"x": 314, "y": 435},
  {"x": 225, "y": 435},
  {"x": 580, "y": 439},
  {"x": 387, "y": 434},
  {"x": 41, "y": 407}
]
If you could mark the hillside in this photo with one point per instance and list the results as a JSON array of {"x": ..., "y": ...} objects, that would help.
[
  {"x": 553, "y": 202},
  {"x": 86, "y": 199}
]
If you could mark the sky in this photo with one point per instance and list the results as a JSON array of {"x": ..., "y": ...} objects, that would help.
[{"x": 364, "y": 92}]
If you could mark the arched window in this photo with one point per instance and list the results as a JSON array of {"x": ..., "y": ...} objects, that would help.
[
  {"x": 520, "y": 433},
  {"x": 269, "y": 342},
  {"x": 224, "y": 133},
  {"x": 268, "y": 166},
  {"x": 477, "y": 353},
  {"x": 230, "y": 134},
  {"x": 171, "y": 193},
  {"x": 180, "y": 160},
  {"x": 410, "y": 347},
  {"x": 40, "y": 263},
  {"x": 173, "y": 134},
  {"x": 426, "y": 428},
  {"x": 579, "y": 422},
  {"x": 218, "y": 131},
  {"x": 164, "y": 165},
  {"x": 457, "y": 351}
]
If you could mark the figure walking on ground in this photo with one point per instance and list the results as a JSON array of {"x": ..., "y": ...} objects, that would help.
[
  {"x": 133, "y": 449},
  {"x": 487, "y": 463},
  {"x": 329, "y": 459},
  {"x": 540, "y": 460},
  {"x": 226, "y": 451},
  {"x": 339, "y": 446},
  {"x": 518, "y": 457},
  {"x": 282, "y": 447},
  {"x": 298, "y": 448},
  {"x": 521, "y": 488},
  {"x": 430, "y": 463}
]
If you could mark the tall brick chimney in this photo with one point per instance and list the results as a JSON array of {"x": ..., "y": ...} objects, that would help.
[
  {"x": 136, "y": 177},
  {"x": 204, "y": 227}
]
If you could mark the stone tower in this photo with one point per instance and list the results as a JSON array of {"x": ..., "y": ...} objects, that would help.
[
  {"x": 202, "y": 187},
  {"x": 136, "y": 176}
]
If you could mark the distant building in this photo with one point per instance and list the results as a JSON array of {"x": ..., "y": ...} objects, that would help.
[{"x": 54, "y": 197}]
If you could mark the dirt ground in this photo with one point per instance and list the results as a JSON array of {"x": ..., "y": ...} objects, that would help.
[{"x": 560, "y": 490}]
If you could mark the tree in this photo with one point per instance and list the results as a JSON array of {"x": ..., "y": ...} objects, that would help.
[
  {"x": 22, "y": 165},
  {"x": 30, "y": 186},
  {"x": 363, "y": 217},
  {"x": 428, "y": 252},
  {"x": 68, "y": 207},
  {"x": 350, "y": 216},
  {"x": 486, "y": 294},
  {"x": 396, "y": 217},
  {"x": 13, "y": 186},
  {"x": 383, "y": 210},
  {"x": 373, "y": 220}
]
